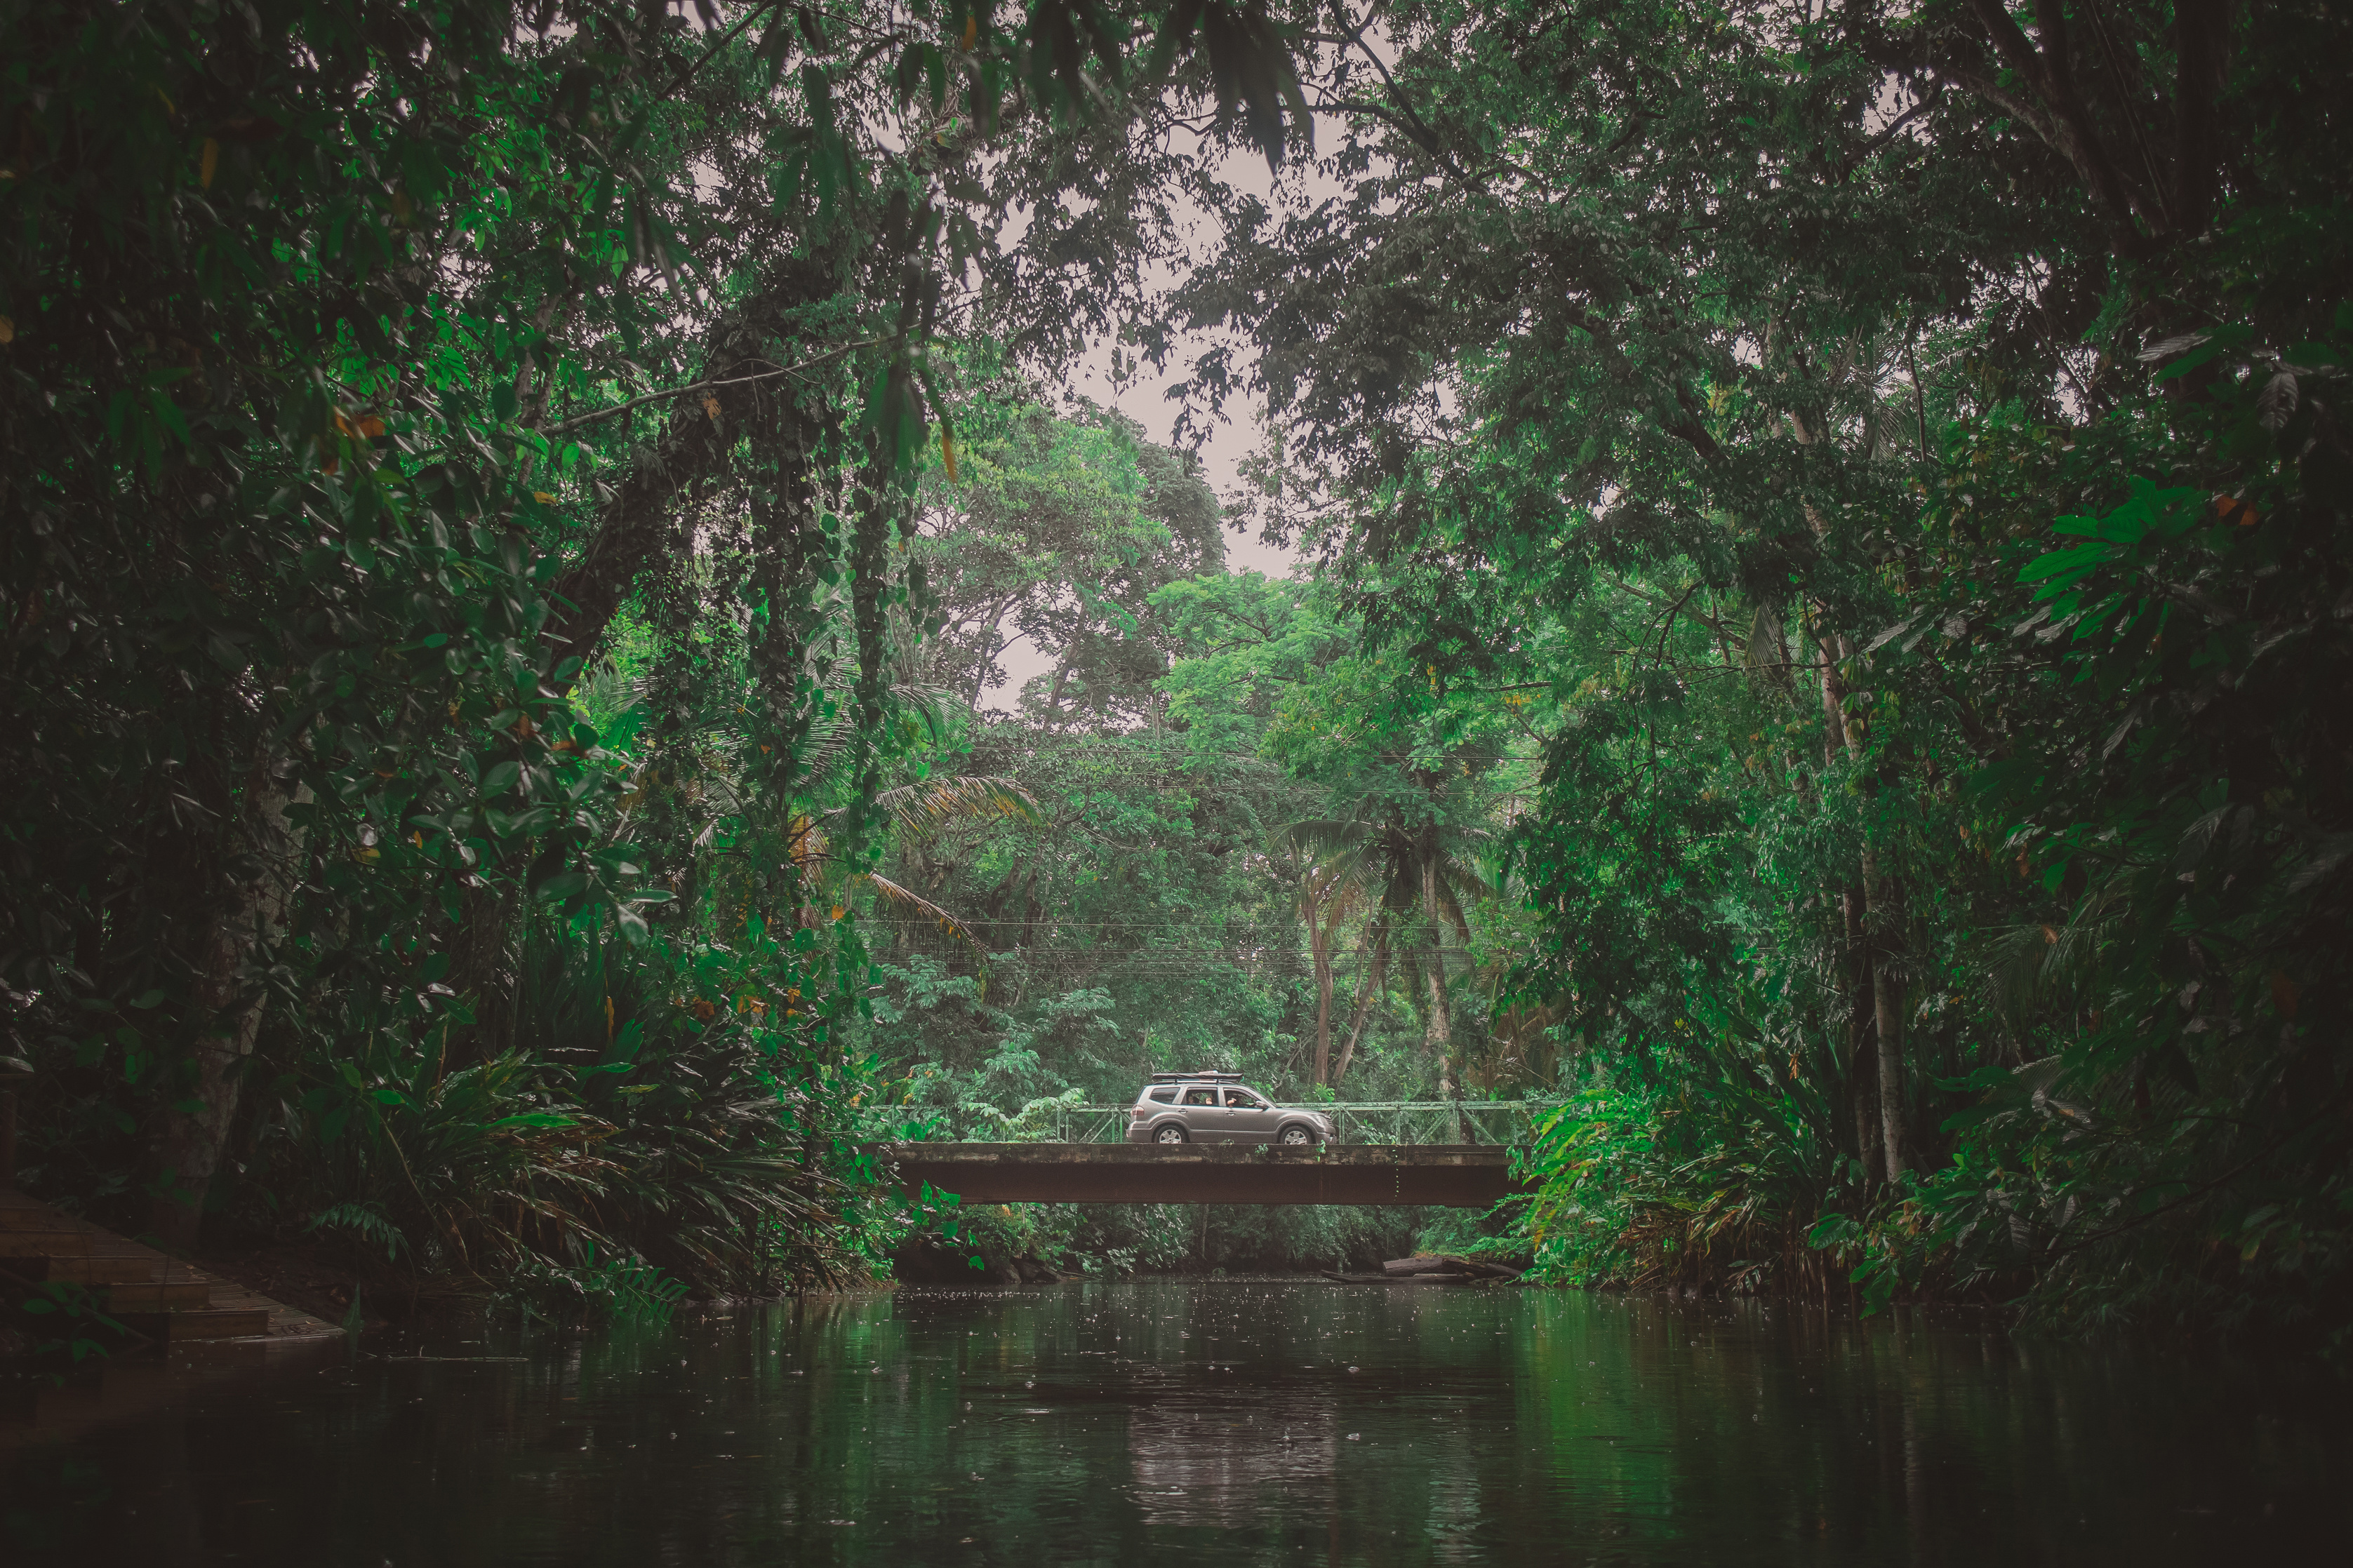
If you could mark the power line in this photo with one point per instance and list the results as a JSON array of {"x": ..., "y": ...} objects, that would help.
[
  {"x": 1172, "y": 953},
  {"x": 1080, "y": 925}
]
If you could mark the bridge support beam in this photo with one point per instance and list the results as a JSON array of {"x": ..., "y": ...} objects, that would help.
[{"x": 1438, "y": 1175}]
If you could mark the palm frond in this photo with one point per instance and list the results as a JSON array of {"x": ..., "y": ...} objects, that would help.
[
  {"x": 1325, "y": 837},
  {"x": 1449, "y": 904},
  {"x": 830, "y": 742},
  {"x": 907, "y": 899},
  {"x": 930, "y": 701},
  {"x": 929, "y": 802}
]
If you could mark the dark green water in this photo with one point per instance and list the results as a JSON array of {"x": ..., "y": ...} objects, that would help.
[{"x": 1222, "y": 1421}]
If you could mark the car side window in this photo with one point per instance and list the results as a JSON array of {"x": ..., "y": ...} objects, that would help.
[
  {"x": 1164, "y": 1095},
  {"x": 1244, "y": 1099},
  {"x": 1200, "y": 1097}
]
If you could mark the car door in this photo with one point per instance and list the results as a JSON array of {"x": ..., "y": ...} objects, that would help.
[
  {"x": 1205, "y": 1119},
  {"x": 1249, "y": 1119}
]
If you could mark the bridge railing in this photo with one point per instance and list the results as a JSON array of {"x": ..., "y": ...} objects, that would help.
[
  {"x": 1503, "y": 1122},
  {"x": 1433, "y": 1121}
]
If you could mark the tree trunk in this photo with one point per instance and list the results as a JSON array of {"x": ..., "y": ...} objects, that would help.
[
  {"x": 993, "y": 642},
  {"x": 692, "y": 453},
  {"x": 1862, "y": 1038},
  {"x": 1439, "y": 1035},
  {"x": 1867, "y": 1056},
  {"x": 194, "y": 1125},
  {"x": 1886, "y": 993},
  {"x": 478, "y": 971},
  {"x": 1887, "y": 1007},
  {"x": 1319, "y": 941},
  {"x": 1054, "y": 697},
  {"x": 1376, "y": 941}
]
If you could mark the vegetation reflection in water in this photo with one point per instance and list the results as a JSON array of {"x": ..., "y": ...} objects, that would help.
[{"x": 1260, "y": 1420}]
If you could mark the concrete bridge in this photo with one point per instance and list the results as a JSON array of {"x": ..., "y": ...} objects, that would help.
[{"x": 1444, "y": 1175}]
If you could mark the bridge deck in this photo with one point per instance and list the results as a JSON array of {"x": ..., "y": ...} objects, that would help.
[{"x": 1442, "y": 1175}]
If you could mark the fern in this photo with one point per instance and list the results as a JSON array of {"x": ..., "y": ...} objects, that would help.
[{"x": 368, "y": 1220}]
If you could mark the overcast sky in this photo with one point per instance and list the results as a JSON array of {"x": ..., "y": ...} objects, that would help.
[{"x": 1143, "y": 397}]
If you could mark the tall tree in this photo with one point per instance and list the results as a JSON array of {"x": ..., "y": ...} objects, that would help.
[
  {"x": 321, "y": 346},
  {"x": 1632, "y": 336}
]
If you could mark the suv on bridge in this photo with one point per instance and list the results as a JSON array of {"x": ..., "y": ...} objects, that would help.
[{"x": 1218, "y": 1108}]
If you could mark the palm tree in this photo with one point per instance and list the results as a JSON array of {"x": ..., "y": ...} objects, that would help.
[
  {"x": 1329, "y": 895},
  {"x": 916, "y": 809},
  {"x": 1404, "y": 869}
]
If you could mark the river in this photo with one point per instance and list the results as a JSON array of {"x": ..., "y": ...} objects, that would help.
[{"x": 1198, "y": 1420}]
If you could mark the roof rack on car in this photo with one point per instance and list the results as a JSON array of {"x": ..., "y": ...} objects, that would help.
[{"x": 1196, "y": 1076}]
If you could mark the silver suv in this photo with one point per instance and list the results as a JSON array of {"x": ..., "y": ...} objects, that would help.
[{"x": 1218, "y": 1108}]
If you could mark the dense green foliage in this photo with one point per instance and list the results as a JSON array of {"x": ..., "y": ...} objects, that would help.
[
  {"x": 1905, "y": 452},
  {"x": 1825, "y": 661},
  {"x": 456, "y": 464}
]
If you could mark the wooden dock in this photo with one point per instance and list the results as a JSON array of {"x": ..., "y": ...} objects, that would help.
[{"x": 149, "y": 1293}]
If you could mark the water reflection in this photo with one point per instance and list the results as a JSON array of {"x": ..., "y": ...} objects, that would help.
[
  {"x": 1229, "y": 1458},
  {"x": 1154, "y": 1421}
]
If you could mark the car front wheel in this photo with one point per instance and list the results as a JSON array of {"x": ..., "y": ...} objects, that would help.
[
  {"x": 1295, "y": 1137},
  {"x": 1169, "y": 1135}
]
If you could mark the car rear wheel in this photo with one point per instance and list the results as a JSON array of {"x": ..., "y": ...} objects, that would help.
[
  {"x": 1169, "y": 1135},
  {"x": 1295, "y": 1136}
]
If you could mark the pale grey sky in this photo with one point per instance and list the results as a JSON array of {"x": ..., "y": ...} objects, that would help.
[{"x": 1143, "y": 397}]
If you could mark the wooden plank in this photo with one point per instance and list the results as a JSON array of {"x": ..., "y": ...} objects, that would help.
[
  {"x": 220, "y": 1323},
  {"x": 200, "y": 1324},
  {"x": 234, "y": 1311},
  {"x": 44, "y": 1244},
  {"x": 85, "y": 1270},
  {"x": 158, "y": 1296}
]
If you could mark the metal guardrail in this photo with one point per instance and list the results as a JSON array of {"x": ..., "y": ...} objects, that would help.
[
  {"x": 1434, "y": 1122},
  {"x": 1505, "y": 1122}
]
